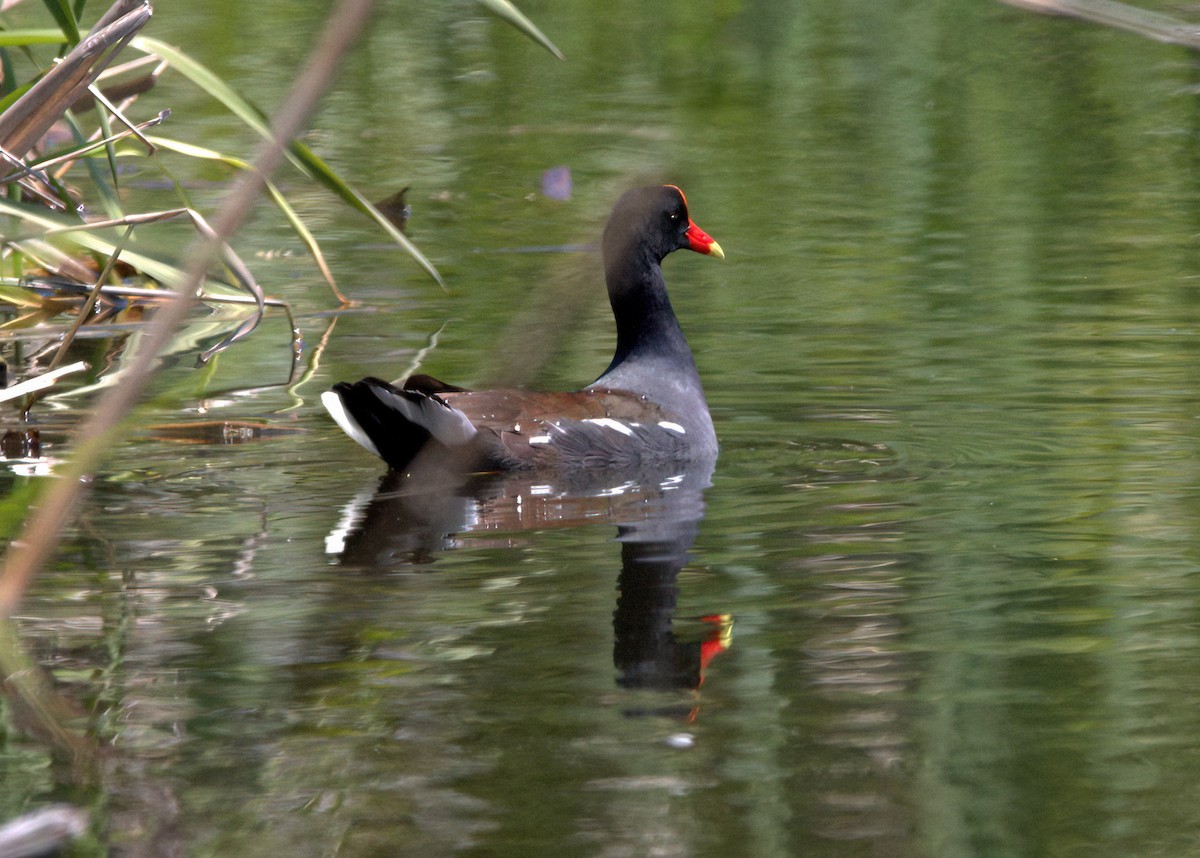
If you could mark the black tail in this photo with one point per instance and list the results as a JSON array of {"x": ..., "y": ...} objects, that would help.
[{"x": 395, "y": 424}]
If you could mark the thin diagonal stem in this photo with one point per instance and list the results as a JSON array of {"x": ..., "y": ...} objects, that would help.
[
  {"x": 86, "y": 310},
  {"x": 44, "y": 525}
]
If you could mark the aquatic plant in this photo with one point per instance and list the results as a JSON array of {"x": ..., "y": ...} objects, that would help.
[{"x": 65, "y": 260}]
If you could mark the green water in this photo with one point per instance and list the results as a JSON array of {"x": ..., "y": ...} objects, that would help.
[{"x": 952, "y": 359}]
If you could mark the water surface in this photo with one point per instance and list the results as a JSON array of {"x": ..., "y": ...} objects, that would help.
[{"x": 951, "y": 357}]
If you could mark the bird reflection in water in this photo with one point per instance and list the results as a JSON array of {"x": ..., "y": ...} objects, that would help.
[{"x": 410, "y": 519}]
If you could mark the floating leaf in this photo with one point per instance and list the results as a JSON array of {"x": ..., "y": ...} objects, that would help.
[{"x": 396, "y": 208}]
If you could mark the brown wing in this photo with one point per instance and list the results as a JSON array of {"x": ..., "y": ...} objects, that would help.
[
  {"x": 513, "y": 410},
  {"x": 429, "y": 385},
  {"x": 594, "y": 428}
]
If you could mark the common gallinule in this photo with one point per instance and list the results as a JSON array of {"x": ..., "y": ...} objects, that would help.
[{"x": 647, "y": 408}]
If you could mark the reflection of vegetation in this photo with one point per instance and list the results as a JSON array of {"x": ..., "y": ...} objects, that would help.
[
  {"x": 971, "y": 243},
  {"x": 1120, "y": 16},
  {"x": 62, "y": 262},
  {"x": 64, "y": 268},
  {"x": 65, "y": 263}
]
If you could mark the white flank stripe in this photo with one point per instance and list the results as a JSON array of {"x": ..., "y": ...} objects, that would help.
[
  {"x": 609, "y": 423},
  {"x": 673, "y": 427},
  {"x": 540, "y": 439},
  {"x": 333, "y": 404}
]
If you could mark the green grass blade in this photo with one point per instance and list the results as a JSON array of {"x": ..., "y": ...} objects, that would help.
[
  {"x": 304, "y": 158},
  {"x": 307, "y": 238},
  {"x": 508, "y": 12},
  {"x": 42, "y": 219},
  {"x": 323, "y": 173},
  {"x": 203, "y": 77},
  {"x": 64, "y": 15},
  {"x": 21, "y": 38},
  {"x": 191, "y": 150},
  {"x": 16, "y": 93},
  {"x": 109, "y": 197},
  {"x": 298, "y": 226}
]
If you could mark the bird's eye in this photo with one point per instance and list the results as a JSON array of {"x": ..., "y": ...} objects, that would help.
[{"x": 674, "y": 215}]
